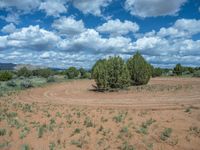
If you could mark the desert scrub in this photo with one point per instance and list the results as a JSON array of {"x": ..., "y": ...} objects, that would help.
[
  {"x": 195, "y": 131},
  {"x": 80, "y": 142},
  {"x": 25, "y": 147},
  {"x": 41, "y": 130},
  {"x": 144, "y": 126},
  {"x": 88, "y": 122},
  {"x": 2, "y": 131},
  {"x": 76, "y": 131},
  {"x": 124, "y": 132},
  {"x": 50, "y": 79},
  {"x": 26, "y": 84},
  {"x": 52, "y": 146},
  {"x": 11, "y": 83},
  {"x": 166, "y": 134},
  {"x": 120, "y": 117},
  {"x": 126, "y": 146},
  {"x": 24, "y": 132}
]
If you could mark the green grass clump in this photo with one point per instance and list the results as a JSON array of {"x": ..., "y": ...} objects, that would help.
[
  {"x": 120, "y": 117},
  {"x": 166, "y": 134},
  {"x": 25, "y": 147},
  {"x": 126, "y": 146},
  {"x": 88, "y": 122},
  {"x": 144, "y": 126},
  {"x": 24, "y": 132},
  {"x": 2, "y": 131},
  {"x": 76, "y": 131}
]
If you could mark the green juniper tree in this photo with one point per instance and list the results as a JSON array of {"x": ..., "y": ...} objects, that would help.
[{"x": 139, "y": 69}]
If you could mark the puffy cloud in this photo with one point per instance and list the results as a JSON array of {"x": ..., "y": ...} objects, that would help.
[
  {"x": 25, "y": 5},
  {"x": 68, "y": 26},
  {"x": 9, "y": 28},
  {"x": 53, "y": 7},
  {"x": 42, "y": 47},
  {"x": 91, "y": 41},
  {"x": 153, "y": 8},
  {"x": 116, "y": 27},
  {"x": 91, "y": 6},
  {"x": 181, "y": 28},
  {"x": 32, "y": 37}
]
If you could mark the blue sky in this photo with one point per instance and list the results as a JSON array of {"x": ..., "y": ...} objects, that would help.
[{"x": 63, "y": 33}]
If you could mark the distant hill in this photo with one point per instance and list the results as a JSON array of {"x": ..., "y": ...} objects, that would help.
[
  {"x": 11, "y": 66},
  {"x": 7, "y": 66}
]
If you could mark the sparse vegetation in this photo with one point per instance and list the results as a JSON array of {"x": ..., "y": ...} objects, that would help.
[{"x": 166, "y": 134}]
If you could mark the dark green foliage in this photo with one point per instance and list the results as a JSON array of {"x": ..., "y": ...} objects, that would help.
[
  {"x": 50, "y": 79},
  {"x": 178, "y": 69},
  {"x": 100, "y": 74},
  {"x": 72, "y": 73},
  {"x": 118, "y": 75},
  {"x": 157, "y": 72},
  {"x": 24, "y": 72},
  {"x": 196, "y": 73},
  {"x": 83, "y": 73},
  {"x": 43, "y": 73},
  {"x": 111, "y": 74},
  {"x": 139, "y": 69},
  {"x": 5, "y": 75}
]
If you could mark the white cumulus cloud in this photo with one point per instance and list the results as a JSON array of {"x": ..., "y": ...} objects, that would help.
[
  {"x": 153, "y": 8},
  {"x": 91, "y": 6},
  {"x": 68, "y": 26},
  {"x": 116, "y": 27}
]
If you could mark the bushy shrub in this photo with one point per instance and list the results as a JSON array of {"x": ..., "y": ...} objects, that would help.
[
  {"x": 84, "y": 74},
  {"x": 178, "y": 69},
  {"x": 26, "y": 84},
  {"x": 50, "y": 79},
  {"x": 111, "y": 74},
  {"x": 72, "y": 73},
  {"x": 139, "y": 69},
  {"x": 100, "y": 74},
  {"x": 196, "y": 73},
  {"x": 45, "y": 73},
  {"x": 24, "y": 72},
  {"x": 11, "y": 83},
  {"x": 157, "y": 72},
  {"x": 5, "y": 75}
]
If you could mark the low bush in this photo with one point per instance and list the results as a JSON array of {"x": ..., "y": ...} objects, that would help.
[
  {"x": 72, "y": 73},
  {"x": 196, "y": 73},
  {"x": 5, "y": 75},
  {"x": 50, "y": 79},
  {"x": 26, "y": 84},
  {"x": 11, "y": 83},
  {"x": 24, "y": 72},
  {"x": 45, "y": 73}
]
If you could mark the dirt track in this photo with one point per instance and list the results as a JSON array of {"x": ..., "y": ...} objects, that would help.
[{"x": 161, "y": 93}]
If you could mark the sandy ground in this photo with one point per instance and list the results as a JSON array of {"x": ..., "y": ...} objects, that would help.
[
  {"x": 72, "y": 116},
  {"x": 160, "y": 92}
]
